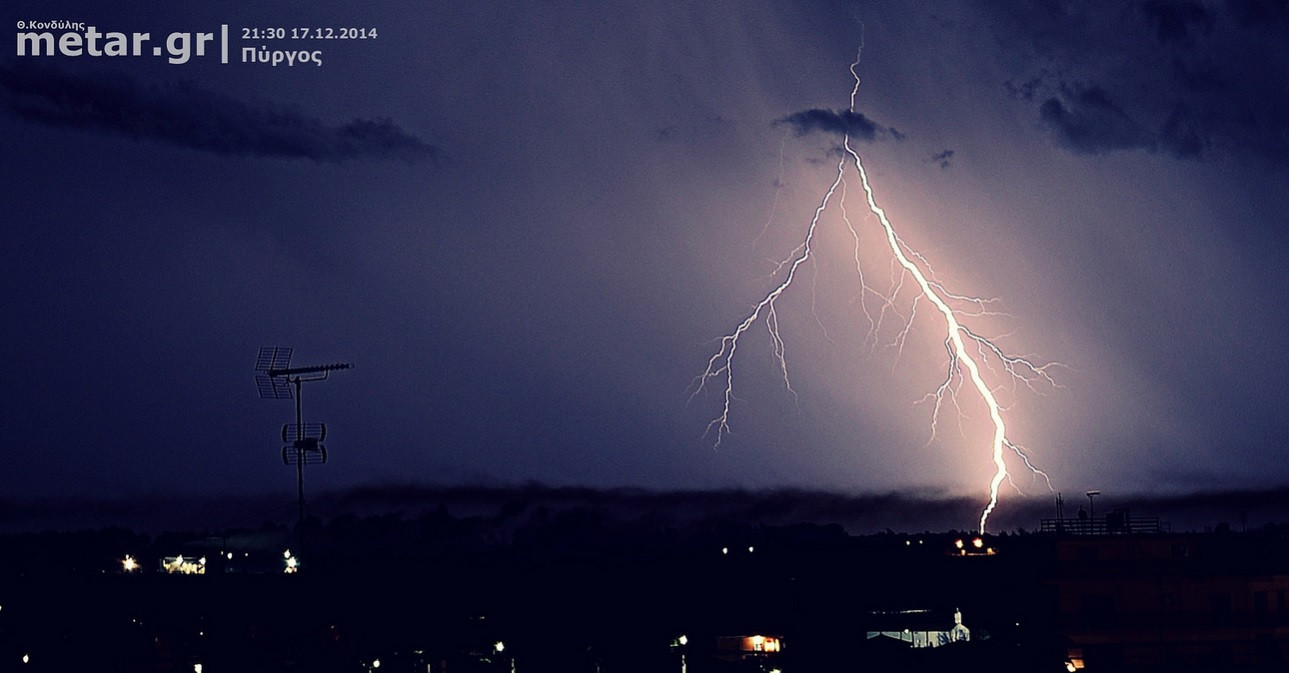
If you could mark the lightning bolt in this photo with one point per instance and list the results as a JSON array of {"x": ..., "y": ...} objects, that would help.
[{"x": 959, "y": 341}]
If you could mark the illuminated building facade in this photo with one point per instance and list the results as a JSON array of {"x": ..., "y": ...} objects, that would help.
[{"x": 920, "y": 628}]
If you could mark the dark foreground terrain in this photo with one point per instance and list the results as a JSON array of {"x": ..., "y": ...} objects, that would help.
[{"x": 571, "y": 591}]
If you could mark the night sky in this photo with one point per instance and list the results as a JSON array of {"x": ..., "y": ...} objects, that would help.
[{"x": 529, "y": 224}]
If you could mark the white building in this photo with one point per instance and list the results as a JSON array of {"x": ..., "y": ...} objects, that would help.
[{"x": 920, "y": 628}]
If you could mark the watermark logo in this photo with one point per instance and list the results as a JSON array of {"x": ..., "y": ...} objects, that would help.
[{"x": 72, "y": 39}]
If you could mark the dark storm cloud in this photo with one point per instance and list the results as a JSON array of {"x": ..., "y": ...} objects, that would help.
[
  {"x": 1084, "y": 120},
  {"x": 835, "y": 122},
  {"x": 1088, "y": 123},
  {"x": 187, "y": 115},
  {"x": 1265, "y": 14},
  {"x": 1187, "y": 79},
  {"x": 1178, "y": 21}
]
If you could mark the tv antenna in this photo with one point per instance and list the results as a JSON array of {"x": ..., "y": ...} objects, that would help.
[{"x": 275, "y": 382}]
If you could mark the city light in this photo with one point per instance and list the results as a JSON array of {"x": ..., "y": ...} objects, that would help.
[
  {"x": 759, "y": 643},
  {"x": 128, "y": 564},
  {"x": 183, "y": 566}
]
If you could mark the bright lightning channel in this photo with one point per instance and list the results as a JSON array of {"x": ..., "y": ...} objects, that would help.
[{"x": 957, "y": 336}]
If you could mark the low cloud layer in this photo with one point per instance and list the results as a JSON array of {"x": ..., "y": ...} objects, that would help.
[
  {"x": 840, "y": 122},
  {"x": 858, "y": 514},
  {"x": 187, "y": 115}
]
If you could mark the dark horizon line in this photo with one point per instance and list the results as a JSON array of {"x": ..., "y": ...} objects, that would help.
[{"x": 908, "y": 511}]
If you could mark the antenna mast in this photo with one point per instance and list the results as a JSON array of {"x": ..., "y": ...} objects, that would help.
[{"x": 275, "y": 381}]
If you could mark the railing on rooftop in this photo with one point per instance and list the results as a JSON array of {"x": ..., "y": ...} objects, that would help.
[{"x": 1107, "y": 525}]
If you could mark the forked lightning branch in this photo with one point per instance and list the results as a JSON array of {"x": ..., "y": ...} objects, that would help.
[{"x": 971, "y": 358}]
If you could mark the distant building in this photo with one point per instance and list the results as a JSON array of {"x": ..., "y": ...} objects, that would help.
[
  {"x": 750, "y": 653},
  {"x": 920, "y": 628},
  {"x": 184, "y": 565},
  {"x": 749, "y": 644},
  {"x": 1207, "y": 601}
]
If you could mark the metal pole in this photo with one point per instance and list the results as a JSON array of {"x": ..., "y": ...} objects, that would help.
[
  {"x": 273, "y": 365},
  {"x": 299, "y": 459}
]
